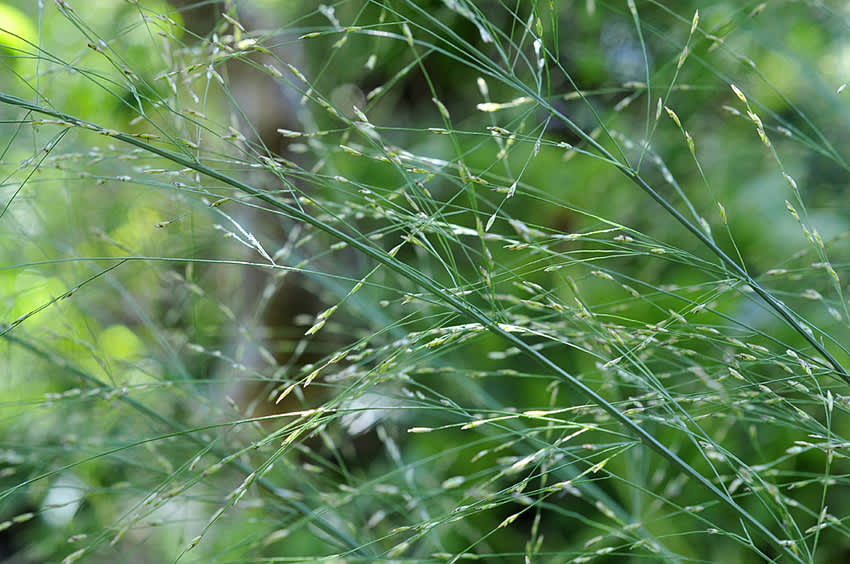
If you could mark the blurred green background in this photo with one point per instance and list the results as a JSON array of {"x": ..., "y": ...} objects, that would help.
[{"x": 152, "y": 314}]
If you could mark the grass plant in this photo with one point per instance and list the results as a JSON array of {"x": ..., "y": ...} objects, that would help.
[{"x": 398, "y": 281}]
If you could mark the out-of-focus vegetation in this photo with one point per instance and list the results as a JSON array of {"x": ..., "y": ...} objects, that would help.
[{"x": 424, "y": 281}]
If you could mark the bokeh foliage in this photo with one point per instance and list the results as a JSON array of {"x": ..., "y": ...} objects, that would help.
[{"x": 385, "y": 280}]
